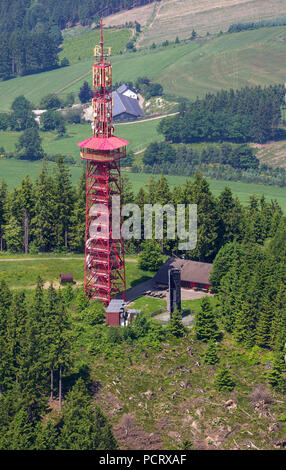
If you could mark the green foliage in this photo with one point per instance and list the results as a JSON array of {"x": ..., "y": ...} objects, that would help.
[
  {"x": 81, "y": 301},
  {"x": 52, "y": 120},
  {"x": 68, "y": 294},
  {"x": 22, "y": 116},
  {"x": 150, "y": 258},
  {"x": 176, "y": 326},
  {"x": 84, "y": 428},
  {"x": 12, "y": 233},
  {"x": 223, "y": 380},
  {"x": 29, "y": 145},
  {"x": 147, "y": 88},
  {"x": 211, "y": 356},
  {"x": 50, "y": 101},
  {"x": 85, "y": 93},
  {"x": 216, "y": 118},
  {"x": 205, "y": 323},
  {"x": 94, "y": 314},
  {"x": 275, "y": 376}
]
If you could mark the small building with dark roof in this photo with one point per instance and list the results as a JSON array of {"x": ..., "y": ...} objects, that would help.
[
  {"x": 115, "y": 312},
  {"x": 194, "y": 274},
  {"x": 125, "y": 104}
]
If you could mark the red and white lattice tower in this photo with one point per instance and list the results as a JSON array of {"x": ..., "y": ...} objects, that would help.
[{"x": 104, "y": 254}]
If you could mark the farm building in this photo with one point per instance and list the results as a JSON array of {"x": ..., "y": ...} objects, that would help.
[
  {"x": 194, "y": 274},
  {"x": 125, "y": 104},
  {"x": 127, "y": 91}
]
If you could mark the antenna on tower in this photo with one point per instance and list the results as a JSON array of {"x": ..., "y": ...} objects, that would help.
[{"x": 101, "y": 40}]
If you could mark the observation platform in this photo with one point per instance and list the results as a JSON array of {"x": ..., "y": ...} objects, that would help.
[{"x": 103, "y": 149}]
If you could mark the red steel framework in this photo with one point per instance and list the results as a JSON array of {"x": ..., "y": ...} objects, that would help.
[{"x": 104, "y": 255}]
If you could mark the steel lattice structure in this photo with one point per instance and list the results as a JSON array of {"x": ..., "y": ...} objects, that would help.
[{"x": 104, "y": 252}]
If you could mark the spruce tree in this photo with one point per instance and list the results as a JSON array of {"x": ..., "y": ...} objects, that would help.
[
  {"x": 27, "y": 207},
  {"x": 223, "y": 380},
  {"x": 63, "y": 203},
  {"x": 84, "y": 428},
  {"x": 263, "y": 329},
  {"x": 244, "y": 324},
  {"x": 175, "y": 325},
  {"x": 5, "y": 362},
  {"x": 205, "y": 324},
  {"x": 21, "y": 433},
  {"x": 43, "y": 222},
  {"x": 211, "y": 356},
  {"x": 3, "y": 195}
]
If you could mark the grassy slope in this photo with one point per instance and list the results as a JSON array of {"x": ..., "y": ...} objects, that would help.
[
  {"x": 81, "y": 47},
  {"x": 236, "y": 60},
  {"x": 181, "y": 402},
  {"x": 206, "y": 16},
  {"x": 138, "y": 134}
]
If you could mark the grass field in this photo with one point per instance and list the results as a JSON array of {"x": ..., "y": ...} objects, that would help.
[
  {"x": 80, "y": 47},
  {"x": 13, "y": 172},
  {"x": 24, "y": 272},
  {"x": 206, "y": 16},
  {"x": 189, "y": 70},
  {"x": 139, "y": 135}
]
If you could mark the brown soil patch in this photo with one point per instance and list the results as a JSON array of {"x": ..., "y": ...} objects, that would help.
[
  {"x": 140, "y": 14},
  {"x": 131, "y": 436}
]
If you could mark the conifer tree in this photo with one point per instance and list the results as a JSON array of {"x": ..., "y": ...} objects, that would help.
[
  {"x": 77, "y": 220},
  {"x": 5, "y": 362},
  {"x": 43, "y": 221},
  {"x": 176, "y": 326},
  {"x": 223, "y": 380},
  {"x": 3, "y": 195},
  {"x": 21, "y": 433},
  {"x": 263, "y": 329},
  {"x": 205, "y": 324},
  {"x": 244, "y": 325},
  {"x": 84, "y": 428},
  {"x": 46, "y": 436},
  {"x": 27, "y": 207},
  {"x": 13, "y": 235},
  {"x": 275, "y": 376},
  {"x": 211, "y": 356},
  {"x": 278, "y": 327},
  {"x": 63, "y": 203}
]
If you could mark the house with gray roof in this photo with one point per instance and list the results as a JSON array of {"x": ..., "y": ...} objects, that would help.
[
  {"x": 194, "y": 274},
  {"x": 125, "y": 104}
]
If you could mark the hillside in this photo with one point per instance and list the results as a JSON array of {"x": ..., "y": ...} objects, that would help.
[
  {"x": 179, "y": 17},
  {"x": 187, "y": 70},
  {"x": 80, "y": 47},
  {"x": 158, "y": 399}
]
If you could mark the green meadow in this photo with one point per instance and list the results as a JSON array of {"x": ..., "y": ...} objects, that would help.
[
  {"x": 139, "y": 134},
  {"x": 24, "y": 272},
  {"x": 186, "y": 70},
  {"x": 13, "y": 172},
  {"x": 80, "y": 47}
]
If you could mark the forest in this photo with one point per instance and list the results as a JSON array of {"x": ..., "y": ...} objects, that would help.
[
  {"x": 245, "y": 115},
  {"x": 50, "y": 338},
  {"x": 220, "y": 161},
  {"x": 49, "y": 215},
  {"x": 28, "y": 15},
  {"x": 237, "y": 27},
  {"x": 31, "y": 33}
]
